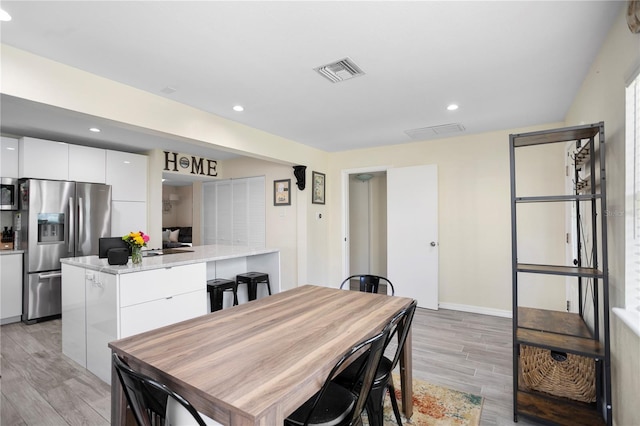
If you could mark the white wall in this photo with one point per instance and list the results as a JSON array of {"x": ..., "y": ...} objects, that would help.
[{"x": 602, "y": 98}]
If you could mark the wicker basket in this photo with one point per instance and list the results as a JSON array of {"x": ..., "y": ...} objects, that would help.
[{"x": 565, "y": 375}]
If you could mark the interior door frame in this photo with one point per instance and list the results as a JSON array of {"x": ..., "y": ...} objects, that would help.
[{"x": 345, "y": 210}]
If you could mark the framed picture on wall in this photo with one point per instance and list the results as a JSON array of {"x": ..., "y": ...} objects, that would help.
[
  {"x": 282, "y": 192},
  {"x": 317, "y": 197}
]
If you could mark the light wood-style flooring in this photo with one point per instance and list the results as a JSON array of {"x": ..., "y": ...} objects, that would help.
[{"x": 462, "y": 351}]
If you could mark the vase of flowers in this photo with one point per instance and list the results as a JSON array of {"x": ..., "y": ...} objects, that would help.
[{"x": 136, "y": 241}]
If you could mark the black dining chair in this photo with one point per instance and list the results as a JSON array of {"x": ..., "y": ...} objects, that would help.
[
  {"x": 383, "y": 381},
  {"x": 153, "y": 403},
  {"x": 335, "y": 405},
  {"x": 369, "y": 283}
]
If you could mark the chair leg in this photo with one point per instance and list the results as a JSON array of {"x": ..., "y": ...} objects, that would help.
[
  {"x": 375, "y": 410},
  {"x": 394, "y": 402}
]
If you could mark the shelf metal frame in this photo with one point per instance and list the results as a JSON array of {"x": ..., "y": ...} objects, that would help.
[{"x": 598, "y": 345}]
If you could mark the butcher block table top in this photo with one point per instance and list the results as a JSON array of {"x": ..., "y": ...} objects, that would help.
[{"x": 255, "y": 363}]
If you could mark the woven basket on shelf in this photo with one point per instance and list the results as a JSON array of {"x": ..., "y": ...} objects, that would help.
[{"x": 565, "y": 375}]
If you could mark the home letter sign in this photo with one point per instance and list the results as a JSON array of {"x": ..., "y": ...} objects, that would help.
[{"x": 181, "y": 163}]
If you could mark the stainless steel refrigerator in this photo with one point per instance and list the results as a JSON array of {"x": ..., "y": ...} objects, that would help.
[{"x": 57, "y": 219}]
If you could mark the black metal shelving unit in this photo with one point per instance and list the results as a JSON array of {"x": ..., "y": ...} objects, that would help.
[{"x": 565, "y": 332}]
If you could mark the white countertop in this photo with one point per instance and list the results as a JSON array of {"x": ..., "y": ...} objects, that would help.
[
  {"x": 3, "y": 252},
  {"x": 199, "y": 254}
]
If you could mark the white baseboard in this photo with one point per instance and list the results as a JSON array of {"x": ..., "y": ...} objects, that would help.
[{"x": 476, "y": 309}]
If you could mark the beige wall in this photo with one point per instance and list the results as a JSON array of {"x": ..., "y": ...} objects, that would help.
[
  {"x": 602, "y": 98},
  {"x": 474, "y": 212},
  {"x": 181, "y": 212}
]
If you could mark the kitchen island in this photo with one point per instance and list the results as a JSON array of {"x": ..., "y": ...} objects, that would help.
[{"x": 102, "y": 302}]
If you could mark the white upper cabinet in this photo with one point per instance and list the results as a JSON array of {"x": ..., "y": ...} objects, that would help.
[
  {"x": 127, "y": 175},
  {"x": 129, "y": 216},
  {"x": 9, "y": 157},
  {"x": 43, "y": 159},
  {"x": 87, "y": 164}
]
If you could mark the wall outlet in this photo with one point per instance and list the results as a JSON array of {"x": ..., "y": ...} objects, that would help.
[{"x": 318, "y": 215}]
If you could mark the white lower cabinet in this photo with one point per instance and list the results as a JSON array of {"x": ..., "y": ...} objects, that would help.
[
  {"x": 159, "y": 297},
  {"x": 11, "y": 287},
  {"x": 119, "y": 306},
  {"x": 74, "y": 325},
  {"x": 102, "y": 323},
  {"x": 140, "y": 318}
]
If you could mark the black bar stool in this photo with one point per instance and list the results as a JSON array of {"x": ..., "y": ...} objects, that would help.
[
  {"x": 216, "y": 287},
  {"x": 252, "y": 279}
]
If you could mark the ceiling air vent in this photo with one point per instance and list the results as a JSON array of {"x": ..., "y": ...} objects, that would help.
[
  {"x": 432, "y": 131},
  {"x": 341, "y": 70}
]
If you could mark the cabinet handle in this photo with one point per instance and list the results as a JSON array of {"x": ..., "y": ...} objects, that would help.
[{"x": 170, "y": 297}]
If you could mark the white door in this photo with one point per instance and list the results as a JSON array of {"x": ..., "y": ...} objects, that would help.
[{"x": 412, "y": 233}]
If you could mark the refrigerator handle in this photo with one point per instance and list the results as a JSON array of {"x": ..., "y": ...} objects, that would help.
[
  {"x": 72, "y": 223},
  {"x": 80, "y": 212}
]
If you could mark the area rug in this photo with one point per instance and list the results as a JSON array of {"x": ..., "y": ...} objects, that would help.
[{"x": 436, "y": 406}]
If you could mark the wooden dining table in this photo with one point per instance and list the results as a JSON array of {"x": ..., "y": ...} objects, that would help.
[{"x": 255, "y": 363}]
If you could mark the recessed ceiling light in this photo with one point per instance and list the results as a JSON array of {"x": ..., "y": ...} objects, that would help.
[
  {"x": 452, "y": 107},
  {"x": 4, "y": 16},
  {"x": 94, "y": 130},
  {"x": 238, "y": 108}
]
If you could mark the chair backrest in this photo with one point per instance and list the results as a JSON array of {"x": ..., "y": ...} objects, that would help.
[
  {"x": 369, "y": 283},
  {"x": 148, "y": 398},
  {"x": 373, "y": 349},
  {"x": 400, "y": 325}
]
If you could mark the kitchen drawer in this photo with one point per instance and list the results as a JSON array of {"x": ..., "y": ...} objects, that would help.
[
  {"x": 145, "y": 286},
  {"x": 158, "y": 313}
]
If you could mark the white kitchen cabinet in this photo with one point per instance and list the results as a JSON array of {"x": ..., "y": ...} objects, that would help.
[
  {"x": 11, "y": 287},
  {"x": 74, "y": 340},
  {"x": 177, "y": 293},
  {"x": 129, "y": 216},
  {"x": 87, "y": 164},
  {"x": 127, "y": 175},
  {"x": 175, "y": 308},
  {"x": 9, "y": 157},
  {"x": 122, "y": 305},
  {"x": 102, "y": 322},
  {"x": 43, "y": 159}
]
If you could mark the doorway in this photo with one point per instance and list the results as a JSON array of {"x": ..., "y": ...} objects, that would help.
[
  {"x": 404, "y": 246},
  {"x": 368, "y": 223}
]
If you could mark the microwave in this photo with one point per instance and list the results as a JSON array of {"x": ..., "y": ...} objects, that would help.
[{"x": 8, "y": 194}]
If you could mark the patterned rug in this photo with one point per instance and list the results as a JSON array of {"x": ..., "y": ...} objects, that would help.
[{"x": 436, "y": 406}]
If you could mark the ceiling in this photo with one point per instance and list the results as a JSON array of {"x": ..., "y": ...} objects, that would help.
[{"x": 506, "y": 64}]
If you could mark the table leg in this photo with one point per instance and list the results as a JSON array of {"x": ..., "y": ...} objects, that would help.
[{"x": 406, "y": 379}]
